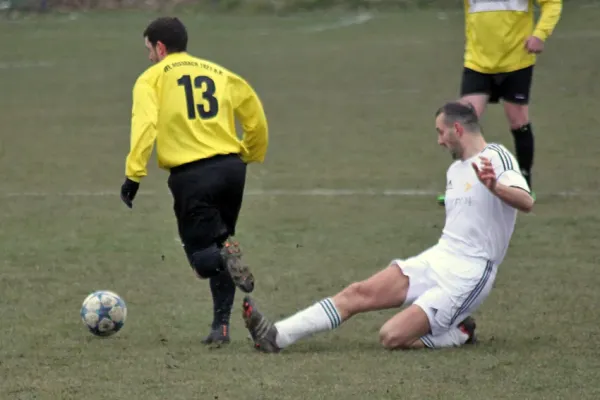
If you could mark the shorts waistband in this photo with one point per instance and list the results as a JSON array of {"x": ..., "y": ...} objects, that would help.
[{"x": 202, "y": 161}]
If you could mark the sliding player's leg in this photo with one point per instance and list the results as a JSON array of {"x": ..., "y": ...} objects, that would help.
[{"x": 386, "y": 289}]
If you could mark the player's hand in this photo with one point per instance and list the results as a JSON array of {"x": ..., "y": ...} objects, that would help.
[
  {"x": 534, "y": 45},
  {"x": 128, "y": 191},
  {"x": 486, "y": 174}
]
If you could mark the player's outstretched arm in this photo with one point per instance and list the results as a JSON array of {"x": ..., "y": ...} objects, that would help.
[
  {"x": 513, "y": 191},
  {"x": 249, "y": 110}
]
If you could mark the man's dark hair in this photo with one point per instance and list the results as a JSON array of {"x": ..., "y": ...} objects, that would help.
[
  {"x": 462, "y": 113},
  {"x": 169, "y": 31}
]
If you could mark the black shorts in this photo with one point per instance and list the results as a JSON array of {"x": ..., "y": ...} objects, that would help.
[
  {"x": 513, "y": 87},
  {"x": 207, "y": 197}
]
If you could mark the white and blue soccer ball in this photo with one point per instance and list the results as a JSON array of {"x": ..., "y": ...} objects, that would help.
[{"x": 104, "y": 313}]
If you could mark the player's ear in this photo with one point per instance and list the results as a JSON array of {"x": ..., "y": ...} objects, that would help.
[
  {"x": 458, "y": 128},
  {"x": 161, "y": 49}
]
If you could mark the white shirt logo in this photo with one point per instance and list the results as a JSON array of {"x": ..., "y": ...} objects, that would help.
[{"x": 477, "y": 6}]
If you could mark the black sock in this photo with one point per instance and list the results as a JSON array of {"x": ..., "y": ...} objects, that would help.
[
  {"x": 223, "y": 293},
  {"x": 524, "y": 146}
]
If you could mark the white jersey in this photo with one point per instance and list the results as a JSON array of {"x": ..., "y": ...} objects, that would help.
[{"x": 478, "y": 223}]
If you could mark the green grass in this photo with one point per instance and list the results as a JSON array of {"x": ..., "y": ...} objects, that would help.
[{"x": 349, "y": 108}]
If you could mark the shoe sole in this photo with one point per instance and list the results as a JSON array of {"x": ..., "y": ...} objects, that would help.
[{"x": 240, "y": 273}]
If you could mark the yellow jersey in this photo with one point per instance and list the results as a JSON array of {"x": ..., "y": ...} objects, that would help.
[
  {"x": 496, "y": 31},
  {"x": 188, "y": 106}
]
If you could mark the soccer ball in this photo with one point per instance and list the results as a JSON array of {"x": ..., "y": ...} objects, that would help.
[{"x": 104, "y": 313}]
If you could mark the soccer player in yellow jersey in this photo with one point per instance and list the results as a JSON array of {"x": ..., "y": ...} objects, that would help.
[
  {"x": 502, "y": 42},
  {"x": 188, "y": 106}
]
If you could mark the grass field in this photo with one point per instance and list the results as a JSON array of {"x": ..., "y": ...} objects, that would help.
[{"x": 350, "y": 104}]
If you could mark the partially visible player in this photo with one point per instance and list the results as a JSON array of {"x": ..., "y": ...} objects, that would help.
[
  {"x": 188, "y": 105},
  {"x": 446, "y": 283},
  {"x": 502, "y": 43}
]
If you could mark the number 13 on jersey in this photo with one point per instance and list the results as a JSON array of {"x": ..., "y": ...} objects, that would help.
[{"x": 207, "y": 108}]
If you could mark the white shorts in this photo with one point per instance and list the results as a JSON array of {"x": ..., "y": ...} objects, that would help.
[{"x": 448, "y": 287}]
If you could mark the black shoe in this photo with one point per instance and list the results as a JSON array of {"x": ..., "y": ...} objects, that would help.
[{"x": 218, "y": 336}]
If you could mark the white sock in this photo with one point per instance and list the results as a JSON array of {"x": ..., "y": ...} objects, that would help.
[
  {"x": 453, "y": 338},
  {"x": 321, "y": 316}
]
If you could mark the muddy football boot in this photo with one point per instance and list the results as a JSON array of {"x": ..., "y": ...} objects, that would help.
[
  {"x": 262, "y": 331},
  {"x": 218, "y": 336},
  {"x": 240, "y": 273},
  {"x": 468, "y": 326}
]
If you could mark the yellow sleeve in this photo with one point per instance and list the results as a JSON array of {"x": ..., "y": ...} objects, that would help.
[
  {"x": 551, "y": 10},
  {"x": 144, "y": 115},
  {"x": 249, "y": 110}
]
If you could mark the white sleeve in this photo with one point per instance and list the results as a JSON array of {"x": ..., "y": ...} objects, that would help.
[
  {"x": 514, "y": 179},
  {"x": 506, "y": 167}
]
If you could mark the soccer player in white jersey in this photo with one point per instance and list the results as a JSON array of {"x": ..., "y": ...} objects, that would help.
[{"x": 445, "y": 284}]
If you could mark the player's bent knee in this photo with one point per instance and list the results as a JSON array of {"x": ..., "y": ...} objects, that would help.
[
  {"x": 207, "y": 262},
  {"x": 391, "y": 340}
]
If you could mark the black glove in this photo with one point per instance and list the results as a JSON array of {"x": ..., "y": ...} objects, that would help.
[{"x": 128, "y": 191}]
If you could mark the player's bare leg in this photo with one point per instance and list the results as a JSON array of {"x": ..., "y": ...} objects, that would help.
[
  {"x": 520, "y": 127},
  {"x": 479, "y": 103},
  {"x": 404, "y": 329},
  {"x": 409, "y": 329},
  {"x": 517, "y": 114},
  {"x": 386, "y": 289}
]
